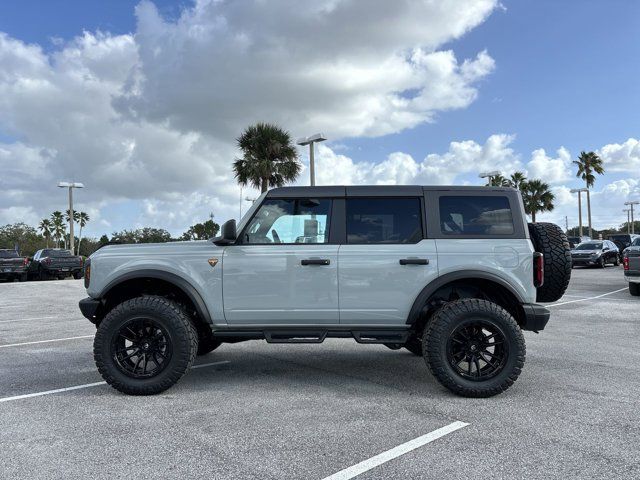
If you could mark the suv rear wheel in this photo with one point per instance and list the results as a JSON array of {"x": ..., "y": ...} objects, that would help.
[
  {"x": 145, "y": 345},
  {"x": 474, "y": 348}
]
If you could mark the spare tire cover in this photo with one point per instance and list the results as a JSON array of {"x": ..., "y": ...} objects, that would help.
[{"x": 550, "y": 240}]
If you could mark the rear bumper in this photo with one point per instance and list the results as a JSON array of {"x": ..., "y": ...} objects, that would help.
[
  {"x": 632, "y": 276},
  {"x": 535, "y": 317},
  {"x": 89, "y": 308}
]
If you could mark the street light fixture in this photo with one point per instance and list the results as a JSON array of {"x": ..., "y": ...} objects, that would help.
[
  {"x": 317, "y": 138},
  {"x": 631, "y": 204},
  {"x": 490, "y": 175},
  {"x": 71, "y": 186},
  {"x": 579, "y": 192}
]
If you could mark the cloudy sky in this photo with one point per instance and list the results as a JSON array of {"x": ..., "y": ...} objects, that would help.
[{"x": 142, "y": 100}]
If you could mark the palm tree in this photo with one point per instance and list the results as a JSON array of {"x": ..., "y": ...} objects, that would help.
[
  {"x": 518, "y": 180},
  {"x": 59, "y": 228},
  {"x": 83, "y": 219},
  {"x": 498, "y": 181},
  {"x": 588, "y": 163},
  {"x": 269, "y": 158},
  {"x": 537, "y": 198},
  {"x": 46, "y": 228}
]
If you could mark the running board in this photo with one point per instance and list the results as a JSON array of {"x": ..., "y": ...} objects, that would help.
[{"x": 303, "y": 335}]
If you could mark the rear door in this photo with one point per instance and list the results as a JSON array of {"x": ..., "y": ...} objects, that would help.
[
  {"x": 283, "y": 269},
  {"x": 386, "y": 260}
]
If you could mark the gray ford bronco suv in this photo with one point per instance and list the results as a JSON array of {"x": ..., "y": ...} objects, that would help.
[{"x": 452, "y": 274}]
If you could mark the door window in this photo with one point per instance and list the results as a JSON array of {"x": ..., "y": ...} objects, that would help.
[
  {"x": 288, "y": 221},
  {"x": 384, "y": 220}
]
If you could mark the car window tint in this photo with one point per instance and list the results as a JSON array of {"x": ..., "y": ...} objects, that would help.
[
  {"x": 384, "y": 220},
  {"x": 290, "y": 221},
  {"x": 475, "y": 215},
  {"x": 8, "y": 254}
]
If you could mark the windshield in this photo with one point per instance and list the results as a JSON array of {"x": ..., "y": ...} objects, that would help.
[
  {"x": 636, "y": 242},
  {"x": 590, "y": 246},
  {"x": 620, "y": 238},
  {"x": 56, "y": 253},
  {"x": 8, "y": 254}
]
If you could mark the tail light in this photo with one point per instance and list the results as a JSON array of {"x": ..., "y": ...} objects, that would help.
[
  {"x": 625, "y": 263},
  {"x": 81, "y": 261},
  {"x": 25, "y": 261},
  {"x": 538, "y": 269}
]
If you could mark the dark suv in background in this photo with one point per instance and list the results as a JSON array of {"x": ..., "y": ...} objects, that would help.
[
  {"x": 595, "y": 253},
  {"x": 55, "y": 263},
  {"x": 622, "y": 240},
  {"x": 12, "y": 265}
]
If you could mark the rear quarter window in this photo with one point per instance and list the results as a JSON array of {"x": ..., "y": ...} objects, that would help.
[{"x": 471, "y": 215}]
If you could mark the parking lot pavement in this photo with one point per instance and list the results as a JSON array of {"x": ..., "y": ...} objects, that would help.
[{"x": 309, "y": 411}]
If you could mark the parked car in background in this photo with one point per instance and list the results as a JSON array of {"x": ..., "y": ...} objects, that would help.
[
  {"x": 595, "y": 253},
  {"x": 12, "y": 265},
  {"x": 622, "y": 240},
  {"x": 631, "y": 262},
  {"x": 575, "y": 241},
  {"x": 55, "y": 263}
]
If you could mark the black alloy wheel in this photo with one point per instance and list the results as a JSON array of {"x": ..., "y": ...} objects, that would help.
[
  {"x": 141, "y": 348},
  {"x": 477, "y": 349}
]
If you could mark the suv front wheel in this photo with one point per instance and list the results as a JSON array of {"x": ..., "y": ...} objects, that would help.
[
  {"x": 474, "y": 348},
  {"x": 145, "y": 345}
]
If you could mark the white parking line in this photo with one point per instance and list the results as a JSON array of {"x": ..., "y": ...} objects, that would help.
[
  {"x": 585, "y": 299},
  {"x": 396, "y": 452},
  {"x": 86, "y": 385},
  {"x": 45, "y": 341},
  {"x": 40, "y": 318},
  {"x": 49, "y": 392}
]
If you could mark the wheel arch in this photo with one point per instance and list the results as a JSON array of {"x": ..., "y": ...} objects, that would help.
[
  {"x": 488, "y": 284},
  {"x": 154, "y": 282}
]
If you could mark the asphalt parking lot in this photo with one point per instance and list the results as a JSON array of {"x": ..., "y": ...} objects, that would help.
[{"x": 254, "y": 410}]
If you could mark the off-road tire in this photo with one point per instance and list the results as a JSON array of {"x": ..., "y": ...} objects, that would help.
[
  {"x": 77, "y": 275},
  {"x": 616, "y": 262},
  {"x": 550, "y": 240},
  {"x": 602, "y": 263},
  {"x": 181, "y": 332},
  {"x": 634, "y": 289},
  {"x": 445, "y": 321}
]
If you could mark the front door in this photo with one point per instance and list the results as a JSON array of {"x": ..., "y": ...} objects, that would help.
[
  {"x": 283, "y": 271},
  {"x": 385, "y": 262}
]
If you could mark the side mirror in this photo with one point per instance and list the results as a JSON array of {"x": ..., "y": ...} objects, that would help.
[
  {"x": 228, "y": 233},
  {"x": 605, "y": 249}
]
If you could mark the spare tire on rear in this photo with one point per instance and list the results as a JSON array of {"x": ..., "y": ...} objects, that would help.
[{"x": 550, "y": 240}]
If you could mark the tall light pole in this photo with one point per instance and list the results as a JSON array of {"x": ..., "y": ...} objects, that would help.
[
  {"x": 628, "y": 211},
  {"x": 317, "y": 138},
  {"x": 631, "y": 204},
  {"x": 579, "y": 192},
  {"x": 489, "y": 175},
  {"x": 71, "y": 186}
]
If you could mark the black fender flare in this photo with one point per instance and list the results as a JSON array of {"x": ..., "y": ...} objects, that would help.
[
  {"x": 179, "y": 282},
  {"x": 431, "y": 288}
]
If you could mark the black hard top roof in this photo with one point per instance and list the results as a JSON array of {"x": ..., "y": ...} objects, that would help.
[{"x": 376, "y": 190}]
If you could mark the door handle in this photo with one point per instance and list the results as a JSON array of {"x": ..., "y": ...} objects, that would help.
[
  {"x": 315, "y": 261},
  {"x": 414, "y": 261}
]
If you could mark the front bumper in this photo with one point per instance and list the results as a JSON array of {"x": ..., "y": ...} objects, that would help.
[
  {"x": 89, "y": 308},
  {"x": 585, "y": 261},
  {"x": 535, "y": 317}
]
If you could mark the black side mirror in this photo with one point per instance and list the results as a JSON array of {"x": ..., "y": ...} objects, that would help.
[
  {"x": 605, "y": 249},
  {"x": 228, "y": 233}
]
